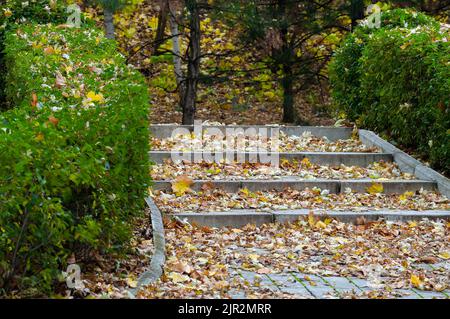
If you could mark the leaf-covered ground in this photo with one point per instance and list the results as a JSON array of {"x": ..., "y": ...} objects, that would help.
[
  {"x": 205, "y": 262},
  {"x": 284, "y": 143},
  {"x": 303, "y": 169},
  {"x": 216, "y": 200}
]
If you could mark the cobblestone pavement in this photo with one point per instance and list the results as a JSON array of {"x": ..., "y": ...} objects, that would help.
[
  {"x": 311, "y": 286},
  {"x": 316, "y": 286}
]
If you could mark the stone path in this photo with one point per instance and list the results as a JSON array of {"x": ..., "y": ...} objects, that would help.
[
  {"x": 312, "y": 286},
  {"x": 316, "y": 286},
  {"x": 296, "y": 283}
]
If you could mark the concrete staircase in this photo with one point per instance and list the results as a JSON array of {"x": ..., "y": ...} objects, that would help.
[{"x": 426, "y": 178}]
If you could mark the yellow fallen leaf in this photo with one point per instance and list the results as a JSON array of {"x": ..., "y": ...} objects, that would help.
[
  {"x": 311, "y": 220},
  {"x": 412, "y": 224},
  {"x": 445, "y": 255},
  {"x": 321, "y": 224},
  {"x": 306, "y": 162},
  {"x": 177, "y": 277},
  {"x": 181, "y": 185},
  {"x": 415, "y": 281},
  {"x": 131, "y": 282},
  {"x": 406, "y": 195},
  {"x": 245, "y": 191},
  {"x": 39, "y": 137},
  {"x": 375, "y": 188},
  {"x": 253, "y": 257},
  {"x": 95, "y": 97},
  {"x": 291, "y": 256}
]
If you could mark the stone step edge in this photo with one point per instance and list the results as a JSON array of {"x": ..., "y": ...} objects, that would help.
[
  {"x": 239, "y": 218},
  {"x": 333, "y": 186},
  {"x": 322, "y": 158},
  {"x": 406, "y": 162},
  {"x": 331, "y": 132}
]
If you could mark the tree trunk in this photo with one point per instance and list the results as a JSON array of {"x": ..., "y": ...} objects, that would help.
[
  {"x": 356, "y": 12},
  {"x": 286, "y": 56},
  {"x": 162, "y": 22},
  {"x": 177, "y": 55},
  {"x": 109, "y": 22},
  {"x": 193, "y": 67},
  {"x": 288, "y": 95}
]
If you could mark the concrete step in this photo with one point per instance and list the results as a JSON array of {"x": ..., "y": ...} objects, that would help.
[
  {"x": 332, "y": 133},
  {"x": 334, "y": 186},
  {"x": 239, "y": 218},
  {"x": 320, "y": 158}
]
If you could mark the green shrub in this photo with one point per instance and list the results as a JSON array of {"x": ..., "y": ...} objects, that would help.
[
  {"x": 345, "y": 68},
  {"x": 14, "y": 12},
  {"x": 395, "y": 80},
  {"x": 74, "y": 151}
]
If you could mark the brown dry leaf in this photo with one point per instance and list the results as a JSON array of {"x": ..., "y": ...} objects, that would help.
[
  {"x": 429, "y": 260},
  {"x": 53, "y": 120},
  {"x": 49, "y": 50},
  {"x": 60, "y": 80},
  {"x": 264, "y": 271},
  {"x": 182, "y": 267},
  {"x": 34, "y": 100},
  {"x": 207, "y": 186},
  {"x": 181, "y": 185}
]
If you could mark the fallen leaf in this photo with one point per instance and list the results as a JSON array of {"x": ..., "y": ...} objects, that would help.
[
  {"x": 182, "y": 267},
  {"x": 95, "y": 97},
  {"x": 263, "y": 271},
  {"x": 321, "y": 224},
  {"x": 416, "y": 281},
  {"x": 34, "y": 100},
  {"x": 177, "y": 277},
  {"x": 49, "y": 50},
  {"x": 60, "y": 80},
  {"x": 445, "y": 255},
  {"x": 53, "y": 120},
  {"x": 429, "y": 260},
  {"x": 181, "y": 185},
  {"x": 375, "y": 188},
  {"x": 207, "y": 186},
  {"x": 131, "y": 282}
]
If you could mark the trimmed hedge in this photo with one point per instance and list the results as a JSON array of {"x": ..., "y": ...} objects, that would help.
[
  {"x": 74, "y": 166},
  {"x": 13, "y": 12},
  {"x": 396, "y": 81}
]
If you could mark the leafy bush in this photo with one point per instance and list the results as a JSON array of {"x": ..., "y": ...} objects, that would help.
[
  {"x": 38, "y": 11},
  {"x": 346, "y": 69},
  {"x": 74, "y": 151},
  {"x": 14, "y": 12},
  {"x": 395, "y": 80}
]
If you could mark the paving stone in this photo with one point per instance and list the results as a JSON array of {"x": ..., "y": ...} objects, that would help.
[
  {"x": 339, "y": 282},
  {"x": 432, "y": 295},
  {"x": 253, "y": 277}
]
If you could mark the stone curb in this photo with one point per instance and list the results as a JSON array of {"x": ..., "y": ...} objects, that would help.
[
  {"x": 334, "y": 186},
  {"x": 159, "y": 255},
  {"x": 406, "y": 162},
  {"x": 332, "y": 133},
  {"x": 320, "y": 158},
  {"x": 239, "y": 218}
]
